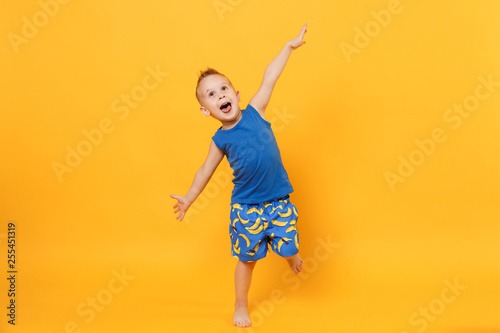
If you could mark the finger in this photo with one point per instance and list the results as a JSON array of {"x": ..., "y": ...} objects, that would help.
[
  {"x": 303, "y": 31},
  {"x": 177, "y": 210},
  {"x": 182, "y": 216},
  {"x": 177, "y": 204}
]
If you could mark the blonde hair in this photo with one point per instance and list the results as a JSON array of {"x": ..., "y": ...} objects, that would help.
[{"x": 203, "y": 74}]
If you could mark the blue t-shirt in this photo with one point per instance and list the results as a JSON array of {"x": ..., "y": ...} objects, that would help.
[{"x": 253, "y": 154}]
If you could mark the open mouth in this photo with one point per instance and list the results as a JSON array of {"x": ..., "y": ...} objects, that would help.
[{"x": 226, "y": 107}]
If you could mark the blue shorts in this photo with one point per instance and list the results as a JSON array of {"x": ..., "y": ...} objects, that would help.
[{"x": 255, "y": 227}]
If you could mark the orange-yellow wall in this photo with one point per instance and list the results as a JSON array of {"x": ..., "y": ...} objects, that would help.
[{"x": 385, "y": 168}]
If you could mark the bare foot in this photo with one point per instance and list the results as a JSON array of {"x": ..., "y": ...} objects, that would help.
[
  {"x": 295, "y": 263},
  {"x": 241, "y": 318}
]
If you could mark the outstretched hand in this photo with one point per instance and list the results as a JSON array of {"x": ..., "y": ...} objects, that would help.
[
  {"x": 298, "y": 41},
  {"x": 181, "y": 206}
]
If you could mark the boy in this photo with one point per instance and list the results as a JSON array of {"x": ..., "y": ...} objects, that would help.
[{"x": 261, "y": 213}]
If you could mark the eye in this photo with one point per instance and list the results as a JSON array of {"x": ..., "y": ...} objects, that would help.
[
  {"x": 210, "y": 94},
  {"x": 224, "y": 88}
]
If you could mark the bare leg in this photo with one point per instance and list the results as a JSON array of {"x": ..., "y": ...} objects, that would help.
[
  {"x": 242, "y": 280},
  {"x": 295, "y": 263}
]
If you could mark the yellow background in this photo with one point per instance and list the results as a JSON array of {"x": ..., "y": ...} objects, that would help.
[{"x": 392, "y": 252}]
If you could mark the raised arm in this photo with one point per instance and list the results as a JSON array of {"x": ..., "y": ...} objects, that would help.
[
  {"x": 273, "y": 71},
  {"x": 203, "y": 175}
]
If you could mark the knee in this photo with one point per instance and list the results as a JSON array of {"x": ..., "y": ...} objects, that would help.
[{"x": 288, "y": 251}]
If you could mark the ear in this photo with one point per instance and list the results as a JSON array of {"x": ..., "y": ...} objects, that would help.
[
  {"x": 238, "y": 95},
  {"x": 204, "y": 111}
]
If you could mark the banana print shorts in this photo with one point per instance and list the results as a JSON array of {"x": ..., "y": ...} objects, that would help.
[{"x": 256, "y": 227}]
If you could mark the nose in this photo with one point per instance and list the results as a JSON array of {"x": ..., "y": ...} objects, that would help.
[{"x": 221, "y": 96}]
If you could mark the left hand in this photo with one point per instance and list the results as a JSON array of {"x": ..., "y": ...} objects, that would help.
[{"x": 297, "y": 41}]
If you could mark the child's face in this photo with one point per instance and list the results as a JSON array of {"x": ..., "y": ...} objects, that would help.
[{"x": 219, "y": 99}]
